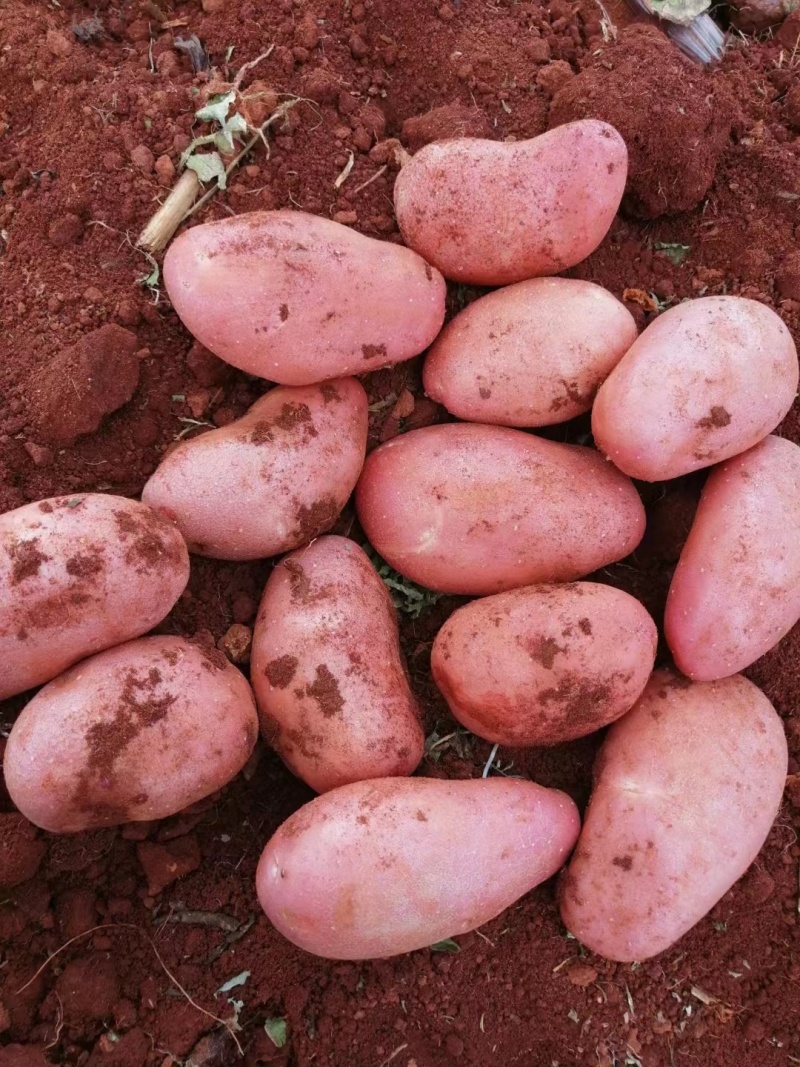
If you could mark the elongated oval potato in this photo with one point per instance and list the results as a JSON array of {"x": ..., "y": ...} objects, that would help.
[
  {"x": 736, "y": 589},
  {"x": 545, "y": 663},
  {"x": 531, "y": 354},
  {"x": 686, "y": 787},
  {"x": 272, "y": 480},
  {"x": 135, "y": 733},
  {"x": 479, "y": 509},
  {"x": 708, "y": 379},
  {"x": 392, "y": 865},
  {"x": 299, "y": 299},
  {"x": 491, "y": 213},
  {"x": 327, "y": 670},
  {"x": 79, "y": 574}
]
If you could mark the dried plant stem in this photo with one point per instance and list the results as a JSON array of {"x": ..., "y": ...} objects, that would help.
[
  {"x": 159, "y": 230},
  {"x": 167, "y": 971}
]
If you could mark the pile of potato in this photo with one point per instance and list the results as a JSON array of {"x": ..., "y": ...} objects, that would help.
[{"x": 691, "y": 773}]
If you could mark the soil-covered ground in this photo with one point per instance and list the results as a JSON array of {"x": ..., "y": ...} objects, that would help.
[{"x": 157, "y": 918}]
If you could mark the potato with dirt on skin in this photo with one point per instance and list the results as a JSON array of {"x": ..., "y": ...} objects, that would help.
[
  {"x": 546, "y": 663},
  {"x": 736, "y": 590},
  {"x": 299, "y": 299},
  {"x": 274, "y": 479},
  {"x": 686, "y": 788},
  {"x": 138, "y": 732},
  {"x": 327, "y": 670},
  {"x": 491, "y": 213},
  {"x": 79, "y": 574},
  {"x": 706, "y": 380},
  {"x": 392, "y": 865},
  {"x": 465, "y": 508},
  {"x": 531, "y": 354}
]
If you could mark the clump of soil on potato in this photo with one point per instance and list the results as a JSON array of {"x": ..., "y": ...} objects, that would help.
[{"x": 92, "y": 125}]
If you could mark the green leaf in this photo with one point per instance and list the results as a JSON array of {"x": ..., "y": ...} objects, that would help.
[
  {"x": 276, "y": 1031},
  {"x": 232, "y": 983},
  {"x": 152, "y": 279},
  {"x": 208, "y": 167},
  {"x": 407, "y": 596},
  {"x": 216, "y": 110},
  {"x": 677, "y": 253},
  {"x": 448, "y": 945},
  {"x": 73, "y": 503}
]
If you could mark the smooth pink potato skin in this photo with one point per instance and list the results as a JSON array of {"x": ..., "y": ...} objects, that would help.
[
  {"x": 708, "y": 379},
  {"x": 270, "y": 481},
  {"x": 135, "y": 733},
  {"x": 327, "y": 670},
  {"x": 298, "y": 299},
  {"x": 478, "y": 509},
  {"x": 544, "y": 664},
  {"x": 531, "y": 354},
  {"x": 686, "y": 788},
  {"x": 79, "y": 574},
  {"x": 736, "y": 589},
  {"x": 392, "y": 865},
  {"x": 492, "y": 213}
]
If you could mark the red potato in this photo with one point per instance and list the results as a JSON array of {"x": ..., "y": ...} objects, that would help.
[
  {"x": 736, "y": 589},
  {"x": 708, "y": 379},
  {"x": 299, "y": 299},
  {"x": 135, "y": 733},
  {"x": 332, "y": 692},
  {"x": 491, "y": 212},
  {"x": 479, "y": 509},
  {"x": 274, "y": 479},
  {"x": 686, "y": 787},
  {"x": 546, "y": 663},
  {"x": 392, "y": 865},
  {"x": 79, "y": 574},
  {"x": 531, "y": 354}
]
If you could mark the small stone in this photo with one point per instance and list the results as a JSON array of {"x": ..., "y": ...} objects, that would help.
[
  {"x": 346, "y": 218},
  {"x": 321, "y": 86},
  {"x": 139, "y": 30},
  {"x": 537, "y": 50},
  {"x": 554, "y": 76},
  {"x": 168, "y": 64},
  {"x": 452, "y": 120},
  {"x": 236, "y": 643},
  {"x": 84, "y": 383},
  {"x": 58, "y": 44},
  {"x": 358, "y": 47},
  {"x": 362, "y": 140},
  {"x": 208, "y": 369},
  {"x": 143, "y": 159},
  {"x": 21, "y": 850},
  {"x": 65, "y": 230},
  {"x": 128, "y": 313},
  {"x": 789, "y": 33},
  {"x": 165, "y": 171},
  {"x": 163, "y": 864},
  {"x": 93, "y": 295},
  {"x": 198, "y": 402},
  {"x": 42, "y": 457},
  {"x": 347, "y": 103},
  {"x": 306, "y": 34},
  {"x": 581, "y": 975}
]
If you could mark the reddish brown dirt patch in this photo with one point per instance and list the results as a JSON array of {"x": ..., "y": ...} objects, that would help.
[{"x": 76, "y": 186}]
